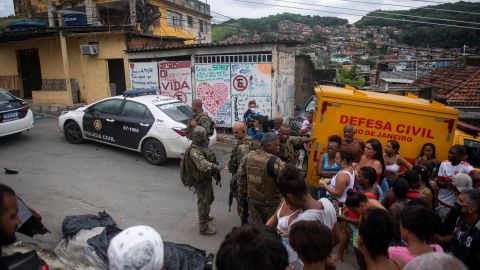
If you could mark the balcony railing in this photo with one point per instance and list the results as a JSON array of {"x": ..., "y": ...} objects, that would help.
[{"x": 196, "y": 5}]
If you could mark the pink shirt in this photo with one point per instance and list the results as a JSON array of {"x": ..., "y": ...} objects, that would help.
[{"x": 402, "y": 254}]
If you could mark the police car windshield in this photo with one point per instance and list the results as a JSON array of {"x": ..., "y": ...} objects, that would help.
[{"x": 177, "y": 111}]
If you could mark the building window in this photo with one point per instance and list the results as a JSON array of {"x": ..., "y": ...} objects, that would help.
[
  {"x": 174, "y": 18},
  {"x": 190, "y": 21},
  {"x": 202, "y": 8},
  {"x": 202, "y": 26}
]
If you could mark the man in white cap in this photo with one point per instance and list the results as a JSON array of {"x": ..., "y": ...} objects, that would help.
[
  {"x": 461, "y": 182},
  {"x": 138, "y": 247}
]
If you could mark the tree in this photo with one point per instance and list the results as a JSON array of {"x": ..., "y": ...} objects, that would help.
[
  {"x": 349, "y": 77},
  {"x": 147, "y": 14}
]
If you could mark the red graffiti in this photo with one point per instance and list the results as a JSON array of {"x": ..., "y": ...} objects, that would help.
[{"x": 212, "y": 97}]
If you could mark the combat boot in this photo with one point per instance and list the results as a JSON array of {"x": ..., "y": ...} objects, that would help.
[{"x": 207, "y": 230}]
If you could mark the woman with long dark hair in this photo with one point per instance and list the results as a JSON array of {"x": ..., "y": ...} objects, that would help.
[
  {"x": 427, "y": 188},
  {"x": 427, "y": 156},
  {"x": 394, "y": 161},
  {"x": 373, "y": 157}
]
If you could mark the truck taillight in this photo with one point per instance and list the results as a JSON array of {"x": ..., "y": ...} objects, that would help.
[{"x": 180, "y": 131}]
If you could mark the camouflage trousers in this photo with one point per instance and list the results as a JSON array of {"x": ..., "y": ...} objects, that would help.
[
  {"x": 233, "y": 189},
  {"x": 261, "y": 212},
  {"x": 204, "y": 190}
]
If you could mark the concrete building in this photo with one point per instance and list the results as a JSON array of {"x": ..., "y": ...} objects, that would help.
[
  {"x": 38, "y": 63},
  {"x": 186, "y": 19},
  {"x": 227, "y": 76}
]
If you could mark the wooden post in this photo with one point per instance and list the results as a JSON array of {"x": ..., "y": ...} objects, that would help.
[{"x": 66, "y": 67}]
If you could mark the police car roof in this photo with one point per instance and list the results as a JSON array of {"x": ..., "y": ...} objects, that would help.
[{"x": 154, "y": 99}]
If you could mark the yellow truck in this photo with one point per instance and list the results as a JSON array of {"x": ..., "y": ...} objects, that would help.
[{"x": 410, "y": 120}]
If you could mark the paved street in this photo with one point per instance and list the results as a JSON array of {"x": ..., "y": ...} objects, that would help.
[{"x": 58, "y": 179}]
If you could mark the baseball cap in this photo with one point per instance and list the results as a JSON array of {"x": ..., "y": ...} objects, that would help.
[{"x": 462, "y": 182}]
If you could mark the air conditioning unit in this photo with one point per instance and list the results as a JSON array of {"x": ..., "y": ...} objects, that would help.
[{"x": 90, "y": 49}]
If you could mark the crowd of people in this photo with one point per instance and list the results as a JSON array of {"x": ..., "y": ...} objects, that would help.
[
  {"x": 397, "y": 214},
  {"x": 392, "y": 210}
]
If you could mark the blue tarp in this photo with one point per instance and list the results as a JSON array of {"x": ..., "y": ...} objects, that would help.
[{"x": 26, "y": 24}]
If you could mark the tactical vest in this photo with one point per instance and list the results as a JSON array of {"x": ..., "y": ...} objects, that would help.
[{"x": 261, "y": 187}]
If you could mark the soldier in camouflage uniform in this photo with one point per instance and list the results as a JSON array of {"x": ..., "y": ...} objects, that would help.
[
  {"x": 202, "y": 157},
  {"x": 200, "y": 118},
  {"x": 290, "y": 145},
  {"x": 243, "y": 146},
  {"x": 257, "y": 180}
]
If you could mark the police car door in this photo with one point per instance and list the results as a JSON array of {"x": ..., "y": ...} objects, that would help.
[
  {"x": 134, "y": 123},
  {"x": 99, "y": 120}
]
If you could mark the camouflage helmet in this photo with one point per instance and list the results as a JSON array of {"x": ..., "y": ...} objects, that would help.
[{"x": 199, "y": 136}]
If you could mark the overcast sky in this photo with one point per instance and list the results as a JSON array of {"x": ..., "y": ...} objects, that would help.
[
  {"x": 240, "y": 9},
  {"x": 249, "y": 10}
]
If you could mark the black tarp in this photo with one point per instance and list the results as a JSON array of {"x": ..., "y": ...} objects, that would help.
[
  {"x": 176, "y": 256},
  {"x": 71, "y": 225}
]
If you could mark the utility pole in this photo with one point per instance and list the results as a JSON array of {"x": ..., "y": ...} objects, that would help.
[
  {"x": 133, "y": 12},
  {"x": 89, "y": 11},
  {"x": 51, "y": 22}
]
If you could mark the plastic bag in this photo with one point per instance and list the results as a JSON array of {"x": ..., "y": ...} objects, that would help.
[
  {"x": 78, "y": 254},
  {"x": 101, "y": 241},
  {"x": 185, "y": 257}
]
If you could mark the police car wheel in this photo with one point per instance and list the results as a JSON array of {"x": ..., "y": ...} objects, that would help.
[
  {"x": 154, "y": 152},
  {"x": 73, "y": 133}
]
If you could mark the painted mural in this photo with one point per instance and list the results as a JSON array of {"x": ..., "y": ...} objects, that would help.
[
  {"x": 176, "y": 80},
  {"x": 254, "y": 80},
  {"x": 144, "y": 76},
  {"x": 212, "y": 87}
]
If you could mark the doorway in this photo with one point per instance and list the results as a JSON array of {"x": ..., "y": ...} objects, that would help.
[
  {"x": 30, "y": 72},
  {"x": 116, "y": 73}
]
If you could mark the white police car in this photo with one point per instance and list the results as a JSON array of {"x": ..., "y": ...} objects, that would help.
[
  {"x": 15, "y": 116},
  {"x": 139, "y": 120}
]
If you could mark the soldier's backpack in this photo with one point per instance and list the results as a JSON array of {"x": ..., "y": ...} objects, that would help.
[
  {"x": 212, "y": 123},
  {"x": 188, "y": 179}
]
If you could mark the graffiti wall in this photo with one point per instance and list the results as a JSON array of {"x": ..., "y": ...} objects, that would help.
[
  {"x": 286, "y": 85},
  {"x": 240, "y": 106},
  {"x": 144, "y": 76},
  {"x": 212, "y": 87},
  {"x": 224, "y": 88},
  {"x": 176, "y": 80},
  {"x": 251, "y": 82}
]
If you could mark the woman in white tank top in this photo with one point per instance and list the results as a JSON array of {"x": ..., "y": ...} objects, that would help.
[
  {"x": 284, "y": 215},
  {"x": 344, "y": 179},
  {"x": 337, "y": 193}
]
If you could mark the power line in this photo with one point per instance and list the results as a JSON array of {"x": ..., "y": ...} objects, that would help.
[
  {"x": 442, "y": 3},
  {"x": 380, "y": 12},
  {"x": 358, "y": 15},
  {"x": 397, "y": 5},
  {"x": 222, "y": 15}
]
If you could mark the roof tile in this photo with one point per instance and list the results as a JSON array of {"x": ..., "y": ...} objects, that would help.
[{"x": 459, "y": 86}]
